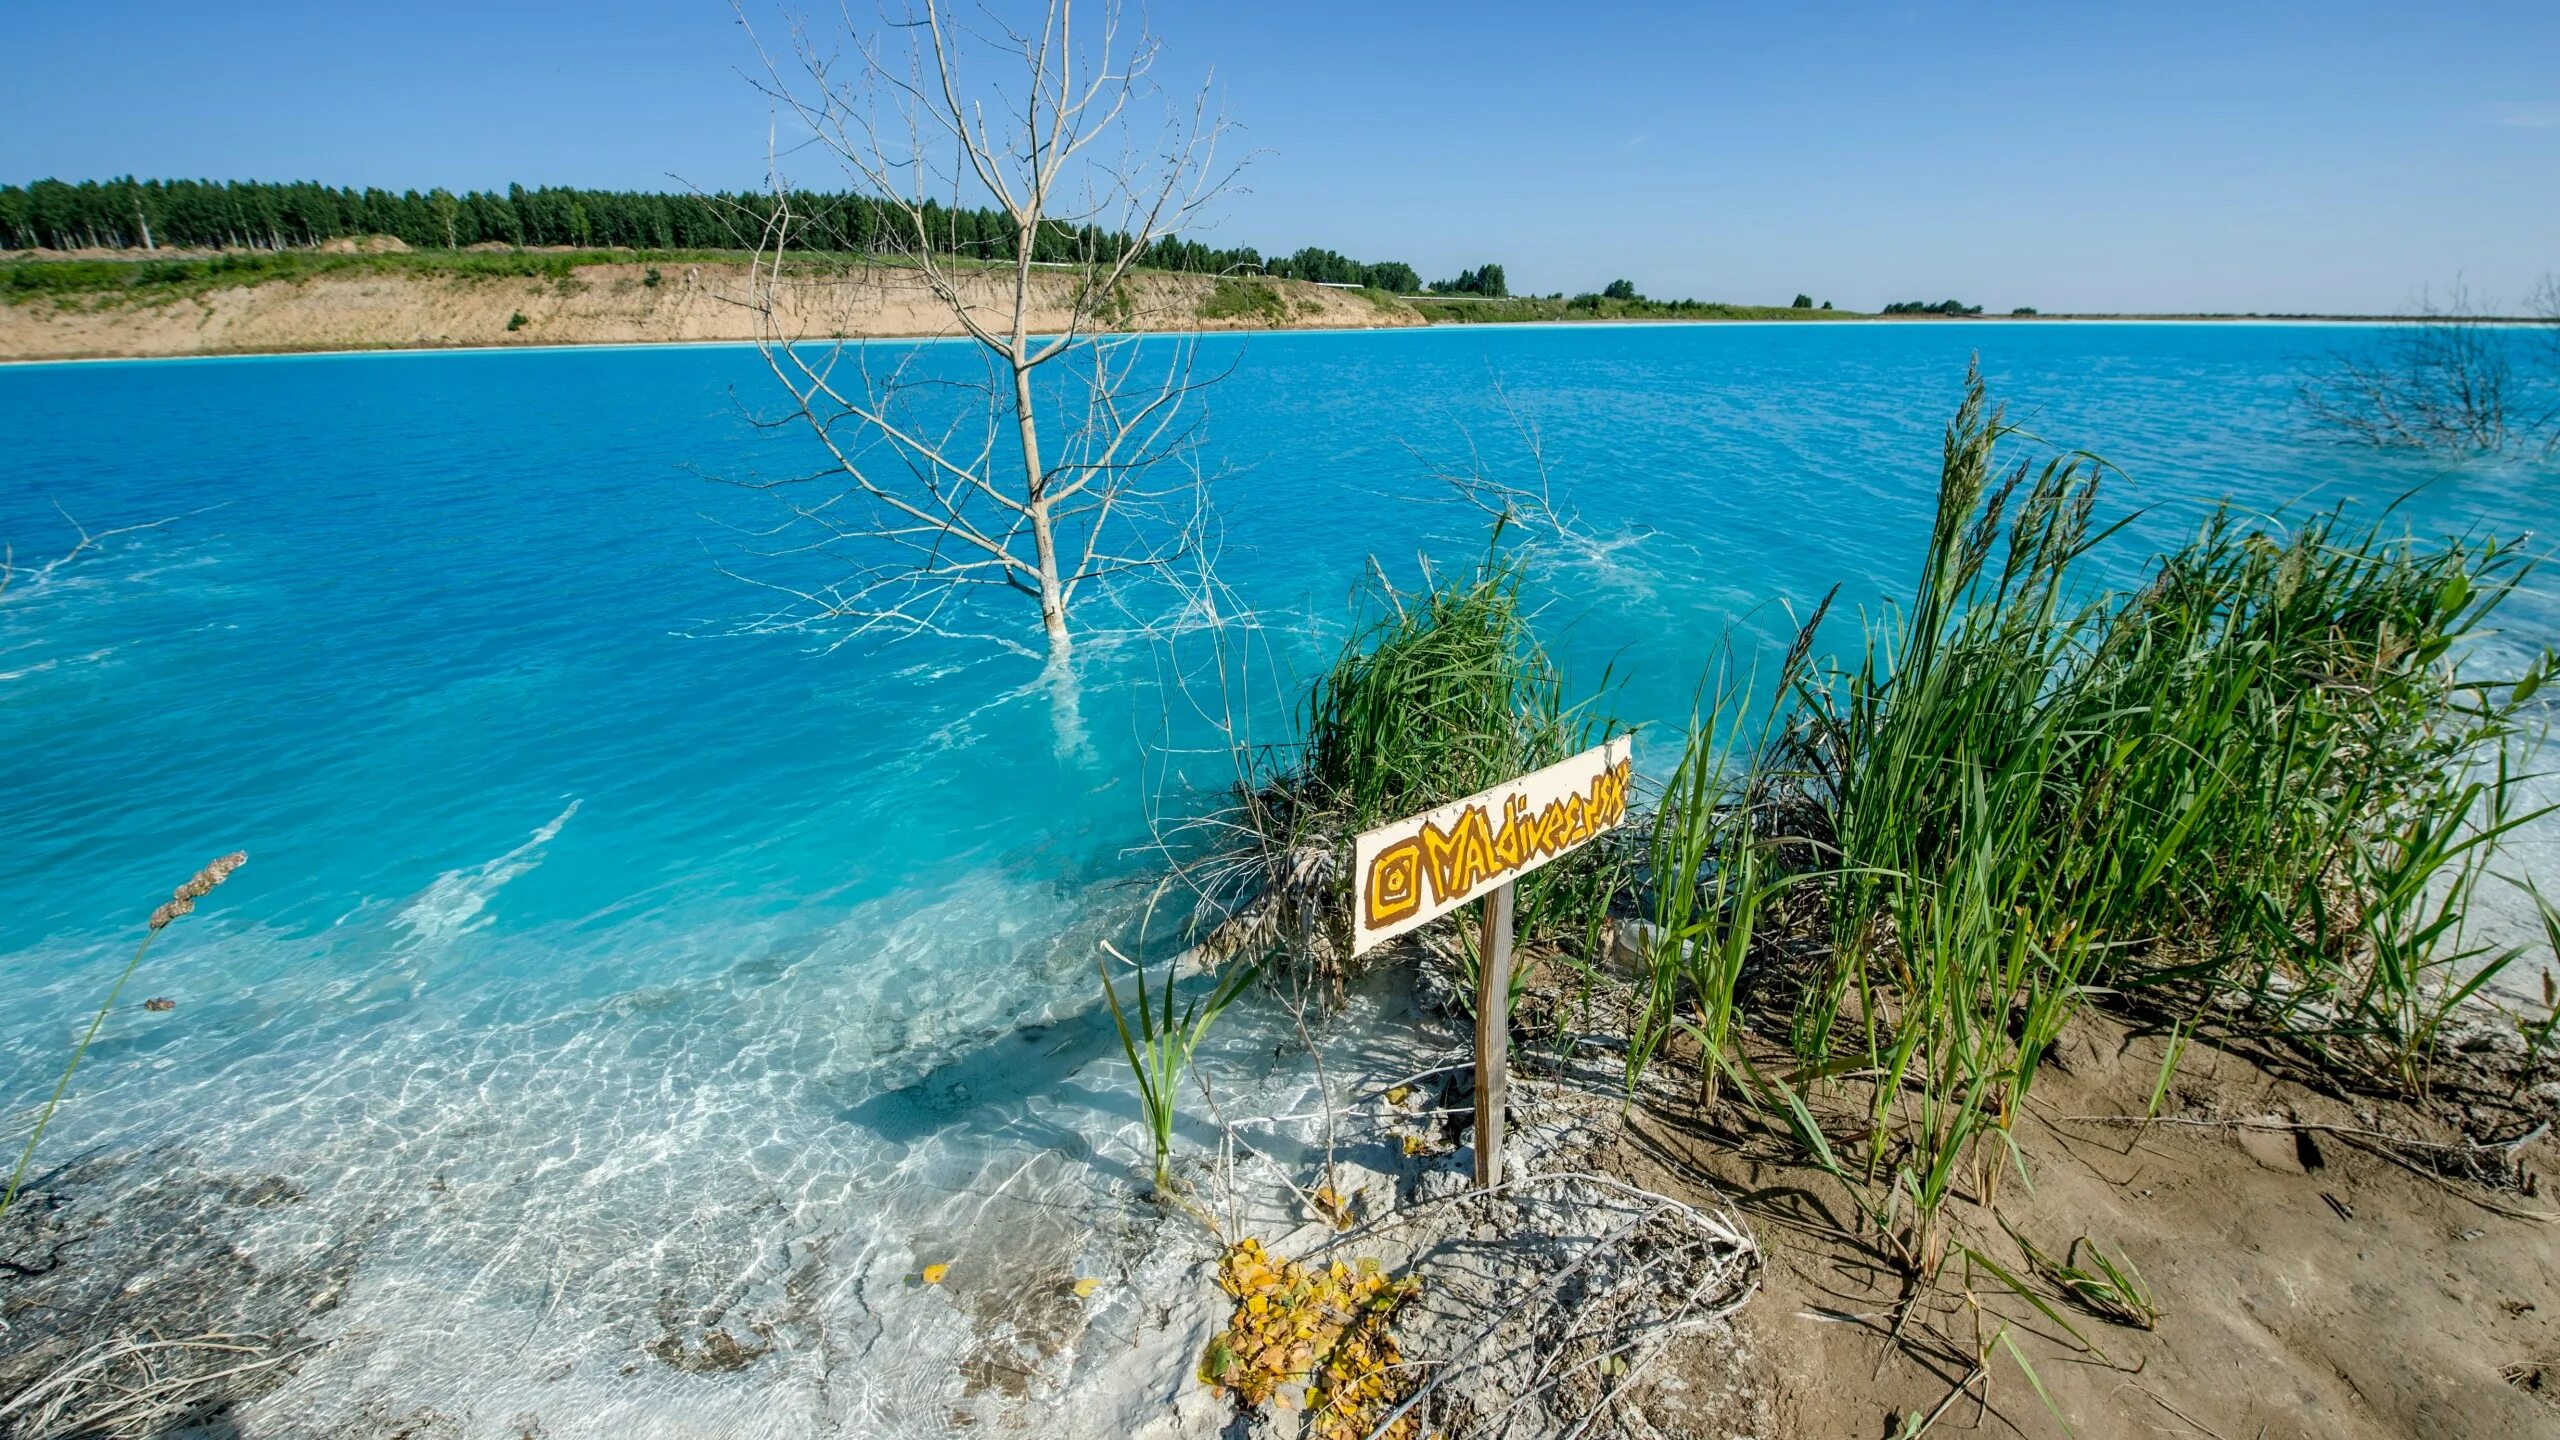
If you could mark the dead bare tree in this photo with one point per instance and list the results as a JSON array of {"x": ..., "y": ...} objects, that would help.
[
  {"x": 1529, "y": 502},
  {"x": 2448, "y": 379},
  {"x": 1058, "y": 449},
  {"x": 1515, "y": 489},
  {"x": 89, "y": 540}
]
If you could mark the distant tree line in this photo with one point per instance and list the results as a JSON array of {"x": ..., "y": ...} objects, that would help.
[
  {"x": 259, "y": 215},
  {"x": 1310, "y": 263},
  {"x": 1923, "y": 307},
  {"x": 1485, "y": 280},
  {"x": 1620, "y": 298}
]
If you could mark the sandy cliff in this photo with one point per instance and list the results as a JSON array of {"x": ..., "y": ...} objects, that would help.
[{"x": 607, "y": 304}]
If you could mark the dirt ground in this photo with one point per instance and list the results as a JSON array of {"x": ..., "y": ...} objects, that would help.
[
  {"x": 2311, "y": 1282},
  {"x": 609, "y": 304}
]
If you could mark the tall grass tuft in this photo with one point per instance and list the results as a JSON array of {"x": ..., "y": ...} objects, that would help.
[
  {"x": 2297, "y": 766},
  {"x": 2264, "y": 772},
  {"x": 2262, "y": 787},
  {"x": 1445, "y": 691}
]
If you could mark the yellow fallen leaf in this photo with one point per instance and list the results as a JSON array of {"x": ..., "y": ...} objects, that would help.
[
  {"x": 1086, "y": 1286},
  {"x": 1396, "y": 1094},
  {"x": 933, "y": 1273}
]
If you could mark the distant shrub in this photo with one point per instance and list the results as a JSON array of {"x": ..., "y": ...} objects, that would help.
[
  {"x": 1922, "y": 307},
  {"x": 2024, "y": 310},
  {"x": 517, "y": 322},
  {"x": 652, "y": 278},
  {"x": 1619, "y": 290},
  {"x": 1803, "y": 302},
  {"x": 1826, "y": 304}
]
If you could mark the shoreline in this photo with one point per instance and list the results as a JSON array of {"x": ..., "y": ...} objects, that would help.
[
  {"x": 585, "y": 301},
  {"x": 920, "y": 337}
]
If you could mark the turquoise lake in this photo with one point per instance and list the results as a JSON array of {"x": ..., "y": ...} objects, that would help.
[{"x": 591, "y": 952}]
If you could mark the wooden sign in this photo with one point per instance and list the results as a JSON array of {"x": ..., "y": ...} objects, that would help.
[
  {"x": 1412, "y": 872},
  {"x": 1418, "y": 869}
]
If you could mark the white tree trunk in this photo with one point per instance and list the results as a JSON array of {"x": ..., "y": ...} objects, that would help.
[{"x": 1044, "y": 539}]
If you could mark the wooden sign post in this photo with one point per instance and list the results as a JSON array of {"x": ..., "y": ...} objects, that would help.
[
  {"x": 1493, "y": 1032},
  {"x": 1412, "y": 872}
]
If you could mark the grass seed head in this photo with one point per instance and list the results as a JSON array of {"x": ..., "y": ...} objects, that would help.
[{"x": 182, "y": 901}]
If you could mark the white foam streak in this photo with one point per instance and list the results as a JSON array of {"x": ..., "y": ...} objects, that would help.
[{"x": 457, "y": 903}]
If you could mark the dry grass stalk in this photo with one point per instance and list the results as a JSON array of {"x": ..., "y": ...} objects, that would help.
[
  {"x": 181, "y": 901},
  {"x": 137, "y": 1387}
]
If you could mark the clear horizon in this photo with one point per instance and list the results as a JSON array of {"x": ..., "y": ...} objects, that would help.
[{"x": 2340, "y": 159}]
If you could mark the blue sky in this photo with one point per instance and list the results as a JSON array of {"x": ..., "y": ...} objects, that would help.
[{"x": 2069, "y": 155}]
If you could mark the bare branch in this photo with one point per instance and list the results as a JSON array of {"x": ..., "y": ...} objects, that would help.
[
  {"x": 2451, "y": 379},
  {"x": 89, "y": 540}
]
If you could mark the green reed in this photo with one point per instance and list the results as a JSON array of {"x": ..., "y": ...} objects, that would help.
[
  {"x": 1714, "y": 862},
  {"x": 2262, "y": 785},
  {"x": 1160, "y": 1040}
]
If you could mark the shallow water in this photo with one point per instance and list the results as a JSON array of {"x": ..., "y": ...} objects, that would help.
[{"x": 603, "y": 969}]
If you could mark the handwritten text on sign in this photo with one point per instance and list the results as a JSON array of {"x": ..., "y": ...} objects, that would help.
[{"x": 1418, "y": 869}]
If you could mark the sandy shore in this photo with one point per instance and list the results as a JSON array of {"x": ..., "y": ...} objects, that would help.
[
  {"x": 607, "y": 304},
  {"x": 622, "y": 304}
]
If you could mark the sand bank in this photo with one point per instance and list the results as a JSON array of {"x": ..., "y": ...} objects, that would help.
[{"x": 614, "y": 304}]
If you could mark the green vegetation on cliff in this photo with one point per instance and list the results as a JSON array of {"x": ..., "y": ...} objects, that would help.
[{"x": 154, "y": 281}]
